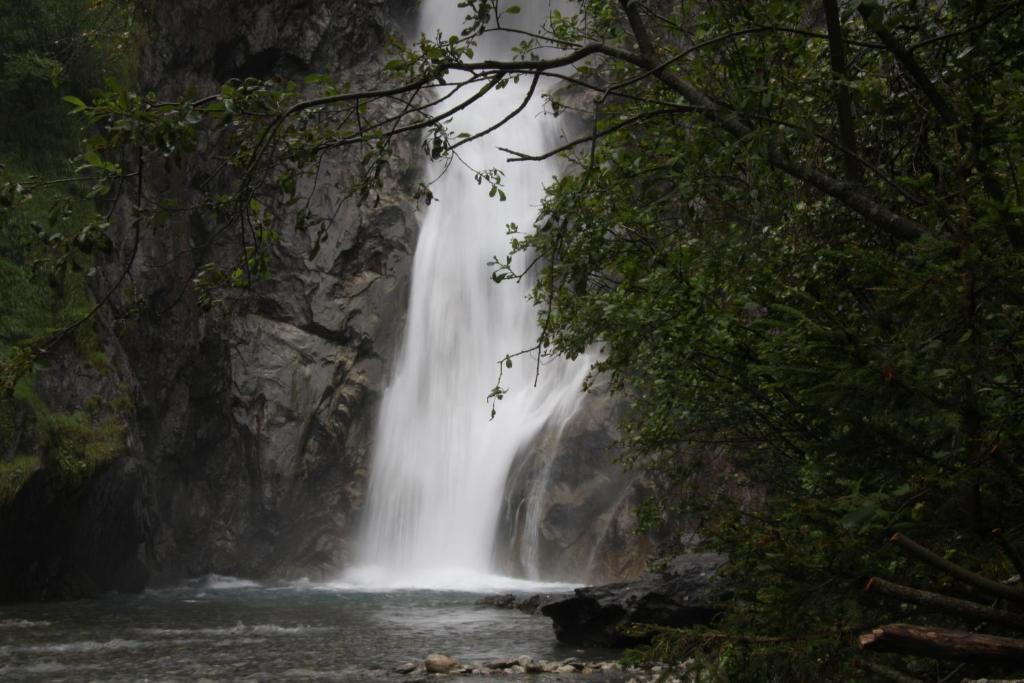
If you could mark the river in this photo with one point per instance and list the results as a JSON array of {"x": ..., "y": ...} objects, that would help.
[{"x": 227, "y": 629}]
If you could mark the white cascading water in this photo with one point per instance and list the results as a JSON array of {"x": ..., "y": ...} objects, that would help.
[{"x": 440, "y": 464}]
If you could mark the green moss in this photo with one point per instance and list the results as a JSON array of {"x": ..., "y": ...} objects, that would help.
[
  {"x": 14, "y": 474},
  {"x": 74, "y": 446}
]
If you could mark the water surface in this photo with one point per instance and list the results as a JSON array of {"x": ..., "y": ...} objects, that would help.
[{"x": 226, "y": 629}]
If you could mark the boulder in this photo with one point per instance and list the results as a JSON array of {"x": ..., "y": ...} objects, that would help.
[
  {"x": 530, "y": 665},
  {"x": 686, "y": 594},
  {"x": 438, "y": 663}
]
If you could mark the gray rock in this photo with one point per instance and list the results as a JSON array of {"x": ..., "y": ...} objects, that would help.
[
  {"x": 685, "y": 595},
  {"x": 439, "y": 663},
  {"x": 570, "y": 508},
  {"x": 529, "y": 664},
  {"x": 501, "y": 600},
  {"x": 499, "y": 664},
  {"x": 530, "y": 604}
]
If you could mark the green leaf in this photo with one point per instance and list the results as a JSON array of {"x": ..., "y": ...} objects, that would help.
[{"x": 77, "y": 102}]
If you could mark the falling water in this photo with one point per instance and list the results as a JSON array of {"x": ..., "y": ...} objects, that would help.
[{"x": 440, "y": 464}]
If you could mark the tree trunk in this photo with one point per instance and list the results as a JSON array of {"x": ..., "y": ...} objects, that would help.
[{"x": 940, "y": 643}]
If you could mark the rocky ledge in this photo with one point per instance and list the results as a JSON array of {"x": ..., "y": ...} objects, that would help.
[
  {"x": 439, "y": 664},
  {"x": 524, "y": 602},
  {"x": 685, "y": 594}
]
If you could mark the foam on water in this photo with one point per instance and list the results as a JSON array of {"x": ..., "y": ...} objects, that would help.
[
  {"x": 216, "y": 582},
  {"x": 230, "y": 631},
  {"x": 376, "y": 579},
  {"x": 79, "y": 646},
  {"x": 22, "y": 623}
]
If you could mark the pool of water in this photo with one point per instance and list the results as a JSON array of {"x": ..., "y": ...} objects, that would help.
[{"x": 227, "y": 629}]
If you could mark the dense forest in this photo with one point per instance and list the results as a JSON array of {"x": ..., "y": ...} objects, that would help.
[{"x": 792, "y": 231}]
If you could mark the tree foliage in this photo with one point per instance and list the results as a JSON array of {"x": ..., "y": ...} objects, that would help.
[
  {"x": 793, "y": 229},
  {"x": 50, "y": 48}
]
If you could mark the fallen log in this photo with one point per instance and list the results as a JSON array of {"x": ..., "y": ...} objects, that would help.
[
  {"x": 940, "y": 643},
  {"x": 943, "y": 603},
  {"x": 986, "y": 585}
]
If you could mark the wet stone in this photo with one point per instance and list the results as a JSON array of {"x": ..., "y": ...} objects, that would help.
[{"x": 439, "y": 663}]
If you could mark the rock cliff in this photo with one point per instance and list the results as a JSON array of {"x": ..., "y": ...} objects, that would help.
[{"x": 249, "y": 434}]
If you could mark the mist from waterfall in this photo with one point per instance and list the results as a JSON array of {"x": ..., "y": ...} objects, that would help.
[{"x": 440, "y": 463}]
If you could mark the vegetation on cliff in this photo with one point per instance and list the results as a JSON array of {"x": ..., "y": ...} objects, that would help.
[
  {"x": 49, "y": 48},
  {"x": 794, "y": 230}
]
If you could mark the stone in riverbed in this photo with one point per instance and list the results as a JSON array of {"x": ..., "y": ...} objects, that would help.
[
  {"x": 501, "y": 601},
  {"x": 499, "y": 663},
  {"x": 530, "y": 665},
  {"x": 406, "y": 668},
  {"x": 528, "y": 604},
  {"x": 439, "y": 663}
]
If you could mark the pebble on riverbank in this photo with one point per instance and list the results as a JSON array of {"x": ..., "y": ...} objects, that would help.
[{"x": 442, "y": 664}]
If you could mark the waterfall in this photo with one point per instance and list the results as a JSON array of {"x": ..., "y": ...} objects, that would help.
[{"x": 440, "y": 463}]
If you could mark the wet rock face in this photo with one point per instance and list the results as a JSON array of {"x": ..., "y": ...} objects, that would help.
[
  {"x": 570, "y": 509},
  {"x": 261, "y": 456}
]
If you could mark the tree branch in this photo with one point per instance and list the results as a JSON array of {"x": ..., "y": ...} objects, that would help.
[
  {"x": 943, "y": 603},
  {"x": 638, "y": 27},
  {"x": 502, "y": 122},
  {"x": 837, "y": 58},
  {"x": 519, "y": 156},
  {"x": 993, "y": 588},
  {"x": 875, "y": 21}
]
